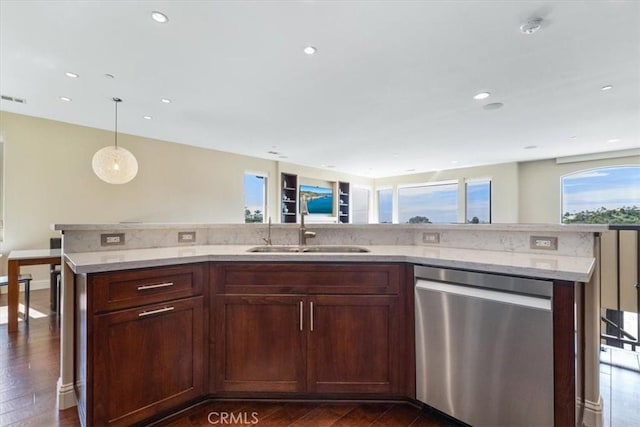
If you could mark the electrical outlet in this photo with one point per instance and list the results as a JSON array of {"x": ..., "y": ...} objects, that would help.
[
  {"x": 548, "y": 243},
  {"x": 432, "y": 237},
  {"x": 112, "y": 239},
  {"x": 186, "y": 236}
]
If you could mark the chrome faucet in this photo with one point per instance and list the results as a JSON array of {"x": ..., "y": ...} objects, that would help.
[
  {"x": 267, "y": 241},
  {"x": 303, "y": 233}
]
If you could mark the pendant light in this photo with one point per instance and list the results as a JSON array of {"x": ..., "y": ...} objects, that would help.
[{"x": 113, "y": 164}]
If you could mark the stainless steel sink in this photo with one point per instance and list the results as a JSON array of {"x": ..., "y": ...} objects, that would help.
[{"x": 309, "y": 249}]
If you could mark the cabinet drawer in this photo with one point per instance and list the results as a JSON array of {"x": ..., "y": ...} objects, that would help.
[
  {"x": 124, "y": 289},
  {"x": 308, "y": 278}
]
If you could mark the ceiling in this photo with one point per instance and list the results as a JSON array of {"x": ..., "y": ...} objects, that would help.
[{"x": 388, "y": 92}]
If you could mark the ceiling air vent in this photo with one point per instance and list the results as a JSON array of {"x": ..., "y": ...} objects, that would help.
[{"x": 13, "y": 99}]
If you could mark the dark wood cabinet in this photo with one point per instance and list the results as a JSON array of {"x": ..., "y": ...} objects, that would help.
[
  {"x": 353, "y": 344},
  {"x": 142, "y": 349},
  {"x": 261, "y": 343},
  {"x": 337, "y": 339}
]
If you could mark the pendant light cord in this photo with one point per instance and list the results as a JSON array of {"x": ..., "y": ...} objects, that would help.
[{"x": 116, "y": 100}]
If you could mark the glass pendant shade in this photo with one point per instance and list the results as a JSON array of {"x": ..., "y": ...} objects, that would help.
[{"x": 113, "y": 164}]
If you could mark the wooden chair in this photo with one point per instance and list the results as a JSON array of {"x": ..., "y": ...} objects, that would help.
[{"x": 26, "y": 280}]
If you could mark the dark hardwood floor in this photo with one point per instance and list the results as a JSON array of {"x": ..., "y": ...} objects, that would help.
[{"x": 29, "y": 367}]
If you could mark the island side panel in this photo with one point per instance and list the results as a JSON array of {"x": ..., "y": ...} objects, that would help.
[
  {"x": 83, "y": 340},
  {"x": 565, "y": 351}
]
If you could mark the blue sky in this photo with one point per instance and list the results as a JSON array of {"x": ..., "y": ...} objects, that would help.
[
  {"x": 609, "y": 187},
  {"x": 478, "y": 195},
  {"x": 439, "y": 203}
]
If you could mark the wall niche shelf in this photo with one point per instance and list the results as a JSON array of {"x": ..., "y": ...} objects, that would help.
[
  {"x": 343, "y": 202},
  {"x": 289, "y": 193}
]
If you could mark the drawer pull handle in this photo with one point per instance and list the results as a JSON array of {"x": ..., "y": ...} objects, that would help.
[
  {"x": 159, "y": 285},
  {"x": 311, "y": 316},
  {"x": 158, "y": 311}
]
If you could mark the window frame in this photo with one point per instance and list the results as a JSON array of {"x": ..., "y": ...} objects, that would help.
[
  {"x": 467, "y": 181},
  {"x": 265, "y": 193}
]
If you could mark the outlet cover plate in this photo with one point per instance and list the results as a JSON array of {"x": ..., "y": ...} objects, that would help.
[
  {"x": 548, "y": 243},
  {"x": 186, "y": 236},
  {"x": 112, "y": 239},
  {"x": 431, "y": 237}
]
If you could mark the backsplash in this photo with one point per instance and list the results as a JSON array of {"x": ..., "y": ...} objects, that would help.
[{"x": 572, "y": 240}]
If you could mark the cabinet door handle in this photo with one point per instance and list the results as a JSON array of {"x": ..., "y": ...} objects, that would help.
[
  {"x": 311, "y": 316},
  {"x": 301, "y": 316},
  {"x": 159, "y": 285},
  {"x": 158, "y": 311}
]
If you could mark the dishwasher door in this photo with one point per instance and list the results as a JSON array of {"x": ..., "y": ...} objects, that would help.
[{"x": 484, "y": 347}]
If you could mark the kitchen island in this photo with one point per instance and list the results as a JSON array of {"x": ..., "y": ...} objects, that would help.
[{"x": 223, "y": 303}]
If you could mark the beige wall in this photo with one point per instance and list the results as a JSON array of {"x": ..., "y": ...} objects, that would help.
[
  {"x": 540, "y": 188},
  {"x": 48, "y": 179}
]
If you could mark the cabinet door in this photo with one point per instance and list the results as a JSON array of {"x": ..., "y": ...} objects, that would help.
[
  {"x": 260, "y": 343},
  {"x": 147, "y": 360},
  {"x": 354, "y": 344}
]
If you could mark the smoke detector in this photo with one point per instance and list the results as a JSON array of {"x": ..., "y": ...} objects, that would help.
[{"x": 531, "y": 26}]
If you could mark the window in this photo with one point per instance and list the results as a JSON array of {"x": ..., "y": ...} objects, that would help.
[
  {"x": 360, "y": 205},
  {"x": 433, "y": 203},
  {"x": 478, "y": 201},
  {"x": 385, "y": 206},
  {"x": 255, "y": 197},
  {"x": 609, "y": 195}
]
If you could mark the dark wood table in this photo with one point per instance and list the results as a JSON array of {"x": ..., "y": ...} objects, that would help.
[{"x": 15, "y": 261}]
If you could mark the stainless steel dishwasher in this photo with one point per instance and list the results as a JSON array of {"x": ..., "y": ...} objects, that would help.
[{"x": 484, "y": 347}]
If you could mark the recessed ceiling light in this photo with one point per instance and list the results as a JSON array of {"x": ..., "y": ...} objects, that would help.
[
  {"x": 283, "y": 157},
  {"x": 493, "y": 106},
  {"x": 166, "y": 100},
  {"x": 482, "y": 95},
  {"x": 530, "y": 147},
  {"x": 159, "y": 17},
  {"x": 310, "y": 50},
  {"x": 273, "y": 152},
  {"x": 147, "y": 117},
  {"x": 409, "y": 170},
  {"x": 109, "y": 76},
  {"x": 531, "y": 26},
  {"x": 65, "y": 99},
  {"x": 612, "y": 140},
  {"x": 454, "y": 162},
  {"x": 605, "y": 88},
  {"x": 72, "y": 75}
]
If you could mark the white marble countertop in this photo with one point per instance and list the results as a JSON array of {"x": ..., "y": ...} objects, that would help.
[{"x": 544, "y": 266}]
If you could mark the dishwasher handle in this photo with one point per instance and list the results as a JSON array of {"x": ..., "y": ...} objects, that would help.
[{"x": 536, "y": 302}]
